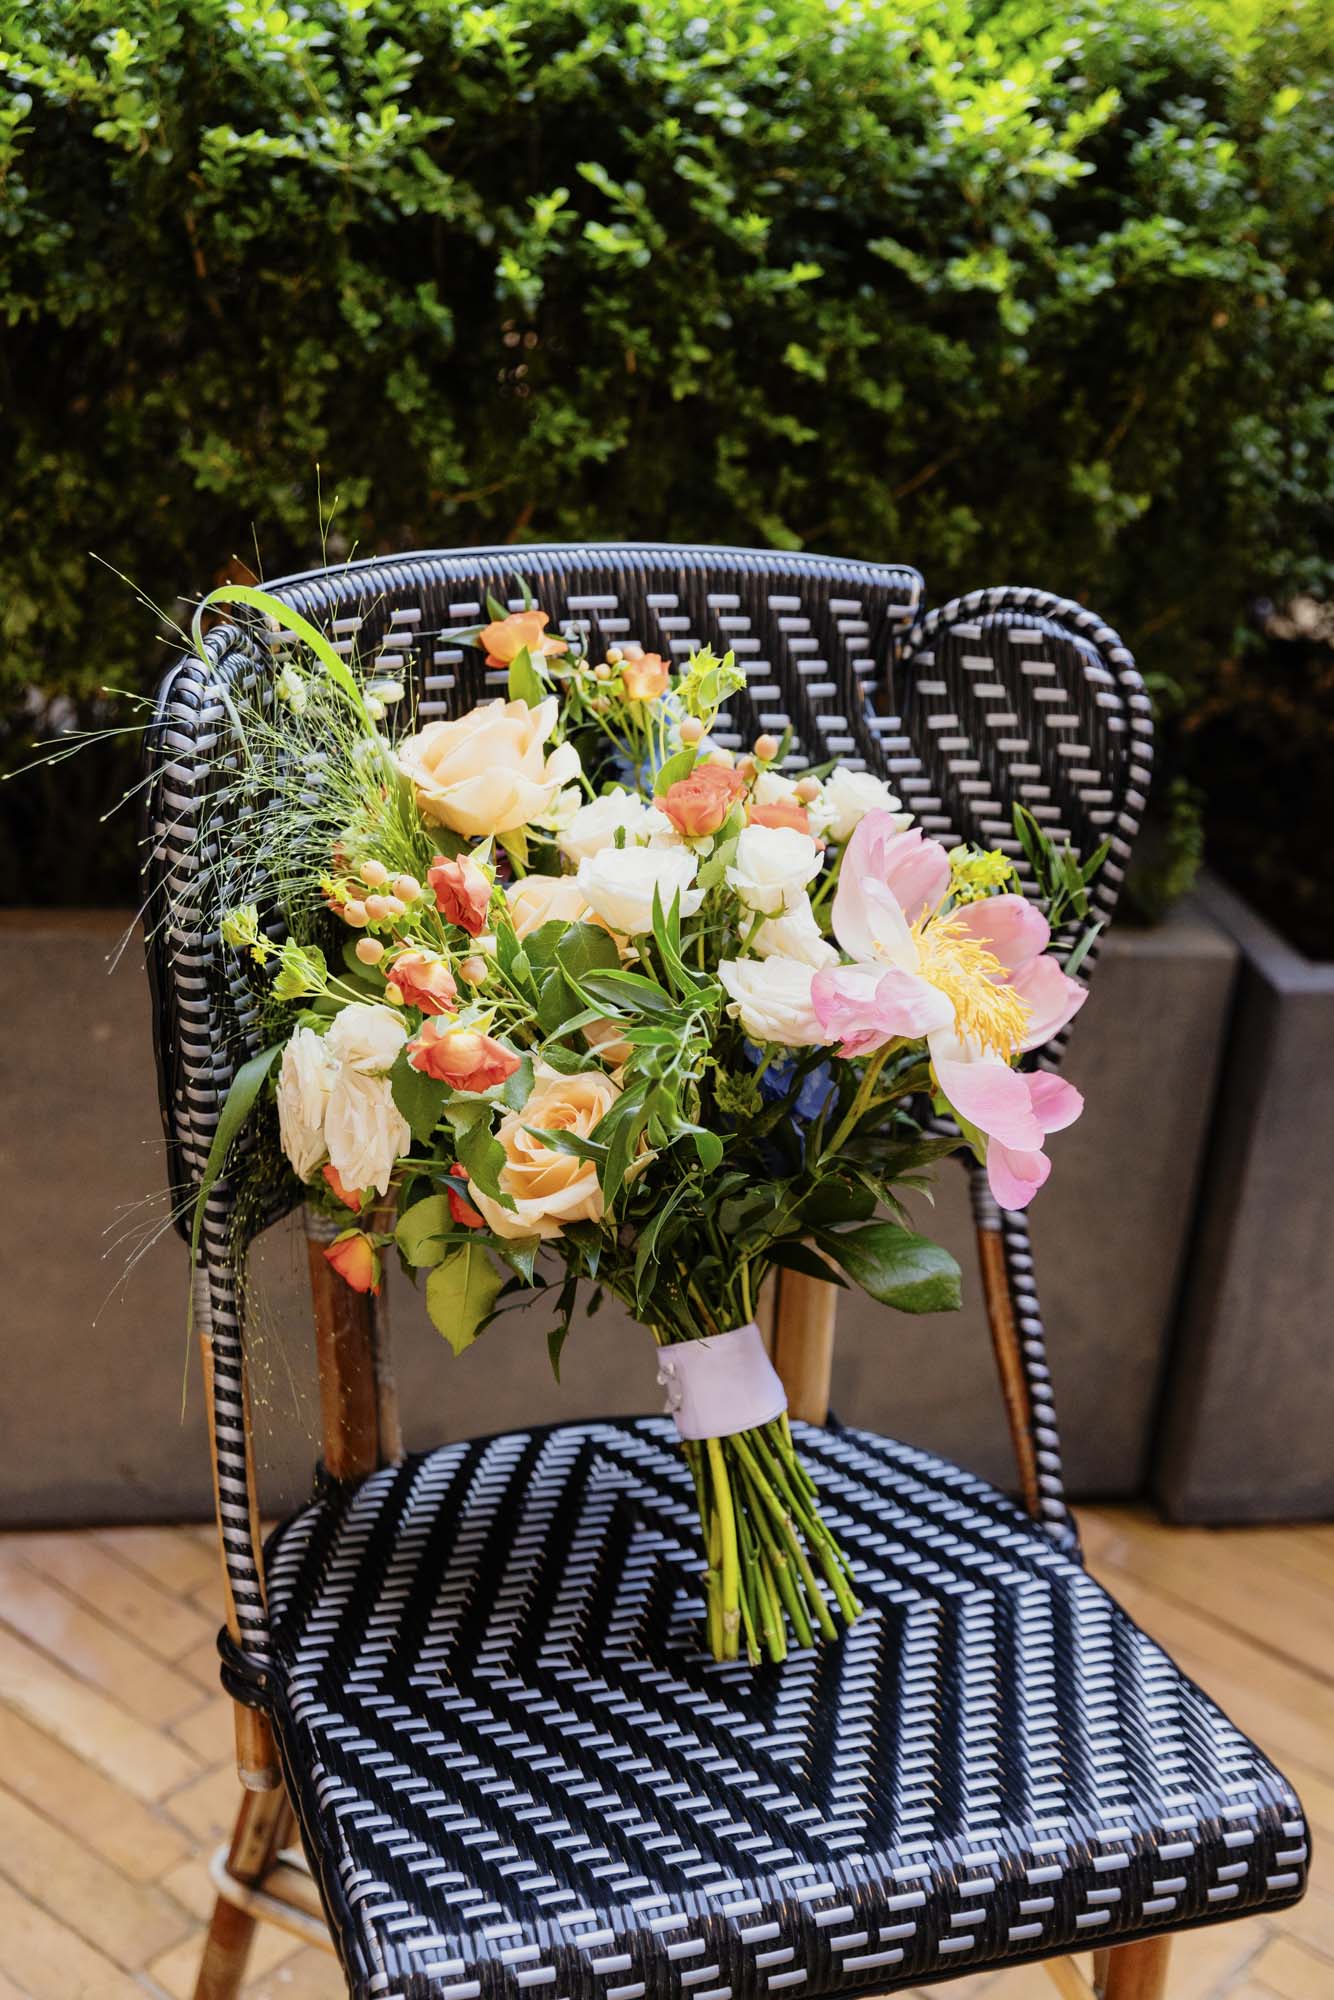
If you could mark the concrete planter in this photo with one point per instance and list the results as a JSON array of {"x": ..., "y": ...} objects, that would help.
[
  {"x": 94, "y": 1427},
  {"x": 1248, "y": 1421}
]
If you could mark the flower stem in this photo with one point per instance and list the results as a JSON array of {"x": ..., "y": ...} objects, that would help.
[{"x": 725, "y": 1516}]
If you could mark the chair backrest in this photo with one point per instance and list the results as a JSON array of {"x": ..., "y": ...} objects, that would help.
[{"x": 1003, "y": 695}]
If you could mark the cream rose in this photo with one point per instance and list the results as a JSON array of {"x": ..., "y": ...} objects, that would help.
[
  {"x": 795, "y": 935},
  {"x": 549, "y": 1188},
  {"x": 772, "y": 867},
  {"x": 620, "y": 881},
  {"x": 596, "y": 825},
  {"x": 607, "y": 1042},
  {"x": 545, "y": 899},
  {"x": 305, "y": 1078},
  {"x": 489, "y": 771},
  {"x": 845, "y": 799},
  {"x": 366, "y": 1038},
  {"x": 364, "y": 1130},
  {"x": 771, "y": 998}
]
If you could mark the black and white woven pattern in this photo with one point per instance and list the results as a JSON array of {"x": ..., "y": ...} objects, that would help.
[{"x": 517, "y": 1771}]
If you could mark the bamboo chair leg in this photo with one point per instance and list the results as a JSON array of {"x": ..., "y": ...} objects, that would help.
[
  {"x": 803, "y": 1343},
  {"x": 261, "y": 1827},
  {"x": 1137, "y": 1971}
]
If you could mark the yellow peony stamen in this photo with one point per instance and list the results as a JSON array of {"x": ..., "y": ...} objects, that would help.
[{"x": 986, "y": 1009}]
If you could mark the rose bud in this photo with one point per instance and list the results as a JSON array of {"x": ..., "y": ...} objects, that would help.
[
  {"x": 505, "y": 638},
  {"x": 425, "y": 981},
  {"x": 461, "y": 1209},
  {"x": 350, "y": 1197},
  {"x": 699, "y": 804},
  {"x": 645, "y": 676},
  {"x": 461, "y": 1057},
  {"x": 356, "y": 1260},
  {"x": 462, "y": 892},
  {"x": 473, "y": 971},
  {"x": 780, "y": 812}
]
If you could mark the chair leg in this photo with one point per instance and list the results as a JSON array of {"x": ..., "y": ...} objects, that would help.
[
  {"x": 1137, "y": 1971},
  {"x": 261, "y": 1827}
]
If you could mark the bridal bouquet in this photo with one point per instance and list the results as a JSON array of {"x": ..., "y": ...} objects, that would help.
[{"x": 570, "y": 993}]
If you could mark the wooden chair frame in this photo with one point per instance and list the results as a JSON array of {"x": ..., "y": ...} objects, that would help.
[{"x": 258, "y": 1877}]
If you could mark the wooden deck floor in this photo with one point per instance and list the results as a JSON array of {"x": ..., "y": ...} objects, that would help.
[{"x": 116, "y": 1778}]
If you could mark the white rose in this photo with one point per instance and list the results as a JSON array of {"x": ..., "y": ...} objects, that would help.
[
  {"x": 368, "y": 1038},
  {"x": 845, "y": 799},
  {"x": 488, "y": 772},
  {"x": 795, "y": 935},
  {"x": 620, "y": 881},
  {"x": 305, "y": 1079},
  {"x": 771, "y": 998},
  {"x": 595, "y": 825},
  {"x": 364, "y": 1130},
  {"x": 771, "y": 788},
  {"x": 545, "y": 899},
  {"x": 772, "y": 867},
  {"x": 561, "y": 810}
]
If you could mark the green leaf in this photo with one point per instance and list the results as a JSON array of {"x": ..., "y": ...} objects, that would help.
[
  {"x": 515, "y": 1091},
  {"x": 483, "y": 1157},
  {"x": 516, "y": 846},
  {"x": 556, "y": 1340},
  {"x": 520, "y": 1253},
  {"x": 497, "y": 610},
  {"x": 420, "y": 1229},
  {"x": 460, "y": 1294},
  {"x": 421, "y": 1099},
  {"x": 794, "y": 1255},
  {"x": 587, "y": 948},
  {"x": 524, "y": 683},
  {"x": 674, "y": 769},
  {"x": 1082, "y": 949},
  {"x": 900, "y": 1269},
  {"x": 288, "y": 621},
  {"x": 835, "y": 1201},
  {"x": 245, "y": 1088},
  {"x": 567, "y": 1142},
  {"x": 628, "y": 989}
]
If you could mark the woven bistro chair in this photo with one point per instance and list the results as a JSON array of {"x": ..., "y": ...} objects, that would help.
[{"x": 469, "y": 1679}]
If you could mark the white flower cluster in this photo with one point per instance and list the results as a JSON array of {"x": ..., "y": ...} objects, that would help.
[{"x": 334, "y": 1099}]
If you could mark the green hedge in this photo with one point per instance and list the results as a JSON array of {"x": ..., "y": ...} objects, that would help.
[{"x": 1013, "y": 292}]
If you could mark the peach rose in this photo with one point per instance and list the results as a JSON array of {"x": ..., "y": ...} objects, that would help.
[
  {"x": 699, "y": 804},
  {"x": 461, "y": 1057},
  {"x": 462, "y": 892},
  {"x": 550, "y": 1188},
  {"x": 356, "y": 1260},
  {"x": 780, "y": 812},
  {"x": 424, "y": 981},
  {"x": 489, "y": 771},
  {"x": 606, "y": 1041},
  {"x": 546, "y": 899},
  {"x": 505, "y": 638},
  {"x": 644, "y": 676},
  {"x": 350, "y": 1197}
]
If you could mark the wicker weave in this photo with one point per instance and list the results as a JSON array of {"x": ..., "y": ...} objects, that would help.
[{"x": 512, "y": 1767}]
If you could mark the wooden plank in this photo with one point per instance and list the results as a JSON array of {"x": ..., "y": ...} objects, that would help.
[
  {"x": 85, "y": 1644},
  {"x": 155, "y": 1619},
  {"x": 1288, "y": 1968},
  {"x": 209, "y": 1732},
  {"x": 135, "y": 1839},
  {"x": 127, "y": 1920},
  {"x": 51, "y": 1961},
  {"x": 311, "y": 1975},
  {"x": 175, "y": 1971},
  {"x": 207, "y": 1808},
  {"x": 175, "y": 1558},
  {"x": 88, "y": 1723}
]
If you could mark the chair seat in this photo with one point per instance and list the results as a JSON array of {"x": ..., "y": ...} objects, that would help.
[{"x": 517, "y": 1771}]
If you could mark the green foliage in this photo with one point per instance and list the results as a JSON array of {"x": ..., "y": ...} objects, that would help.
[{"x": 1012, "y": 293}]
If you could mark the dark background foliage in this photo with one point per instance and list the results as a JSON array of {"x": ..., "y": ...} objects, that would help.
[{"x": 1014, "y": 292}]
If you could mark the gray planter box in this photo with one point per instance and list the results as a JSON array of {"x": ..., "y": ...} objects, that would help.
[
  {"x": 1248, "y": 1421},
  {"x": 94, "y": 1429}
]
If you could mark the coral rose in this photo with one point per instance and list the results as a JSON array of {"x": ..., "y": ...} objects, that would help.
[
  {"x": 488, "y": 772},
  {"x": 505, "y": 638},
  {"x": 546, "y": 899},
  {"x": 425, "y": 982},
  {"x": 462, "y": 892},
  {"x": 462, "y": 1210},
  {"x": 644, "y": 676},
  {"x": 350, "y": 1197},
  {"x": 461, "y": 1057},
  {"x": 356, "y": 1260},
  {"x": 549, "y": 1188},
  {"x": 782, "y": 812},
  {"x": 699, "y": 804}
]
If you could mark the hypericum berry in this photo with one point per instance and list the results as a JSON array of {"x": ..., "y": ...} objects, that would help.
[
  {"x": 808, "y": 789},
  {"x": 355, "y": 913},
  {"x": 474, "y": 971},
  {"x": 602, "y": 672},
  {"x": 379, "y": 909},
  {"x": 393, "y": 994},
  {"x": 369, "y": 950},
  {"x": 746, "y": 766},
  {"x": 692, "y": 729},
  {"x": 373, "y": 873},
  {"x": 407, "y": 888},
  {"x": 766, "y": 748}
]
